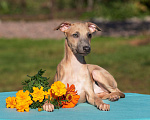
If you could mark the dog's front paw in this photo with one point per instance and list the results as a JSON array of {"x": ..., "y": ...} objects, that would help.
[
  {"x": 114, "y": 98},
  {"x": 104, "y": 107},
  {"x": 48, "y": 107}
]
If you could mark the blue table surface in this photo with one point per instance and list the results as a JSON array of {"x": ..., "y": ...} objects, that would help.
[{"x": 133, "y": 107}]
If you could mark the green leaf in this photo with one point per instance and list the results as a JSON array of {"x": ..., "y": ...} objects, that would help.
[{"x": 37, "y": 80}]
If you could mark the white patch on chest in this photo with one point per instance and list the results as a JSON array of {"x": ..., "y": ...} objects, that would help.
[
  {"x": 77, "y": 79},
  {"x": 79, "y": 88}
]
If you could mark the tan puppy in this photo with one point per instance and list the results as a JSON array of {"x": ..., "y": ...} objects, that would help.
[{"x": 92, "y": 82}]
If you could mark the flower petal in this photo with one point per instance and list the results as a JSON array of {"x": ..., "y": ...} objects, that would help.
[{"x": 68, "y": 105}]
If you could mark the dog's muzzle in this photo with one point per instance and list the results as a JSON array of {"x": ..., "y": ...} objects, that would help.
[{"x": 86, "y": 49}]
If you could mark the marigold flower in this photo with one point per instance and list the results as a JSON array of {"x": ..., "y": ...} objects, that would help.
[
  {"x": 23, "y": 101},
  {"x": 38, "y": 94},
  {"x": 49, "y": 93},
  {"x": 58, "y": 88},
  {"x": 71, "y": 96},
  {"x": 11, "y": 102},
  {"x": 23, "y": 96},
  {"x": 21, "y": 107}
]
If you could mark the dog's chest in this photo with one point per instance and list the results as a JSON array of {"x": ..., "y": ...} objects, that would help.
[{"x": 80, "y": 78}]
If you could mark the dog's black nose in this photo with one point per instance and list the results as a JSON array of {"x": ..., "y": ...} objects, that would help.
[{"x": 86, "y": 49}]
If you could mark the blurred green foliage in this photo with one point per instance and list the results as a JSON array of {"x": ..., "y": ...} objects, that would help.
[
  {"x": 4, "y": 7},
  {"x": 119, "y": 9},
  {"x": 24, "y": 7},
  {"x": 80, "y": 9}
]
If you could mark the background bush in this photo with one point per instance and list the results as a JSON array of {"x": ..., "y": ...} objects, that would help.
[{"x": 83, "y": 9}]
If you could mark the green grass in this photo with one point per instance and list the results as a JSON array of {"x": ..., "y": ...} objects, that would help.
[{"x": 130, "y": 65}]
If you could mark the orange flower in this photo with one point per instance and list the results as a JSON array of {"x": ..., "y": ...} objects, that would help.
[
  {"x": 11, "y": 102},
  {"x": 71, "y": 96},
  {"x": 40, "y": 109}
]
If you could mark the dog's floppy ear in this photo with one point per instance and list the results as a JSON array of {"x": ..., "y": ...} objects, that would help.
[
  {"x": 93, "y": 27},
  {"x": 63, "y": 26}
]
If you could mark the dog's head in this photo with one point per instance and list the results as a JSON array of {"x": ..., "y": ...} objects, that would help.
[{"x": 78, "y": 36}]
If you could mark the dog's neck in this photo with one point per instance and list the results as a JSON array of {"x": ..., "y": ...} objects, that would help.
[{"x": 72, "y": 58}]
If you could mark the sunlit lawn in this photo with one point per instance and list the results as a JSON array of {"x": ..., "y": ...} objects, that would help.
[{"x": 130, "y": 65}]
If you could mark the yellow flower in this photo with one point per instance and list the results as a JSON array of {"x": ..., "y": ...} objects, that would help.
[
  {"x": 21, "y": 107},
  {"x": 23, "y": 101},
  {"x": 38, "y": 94},
  {"x": 11, "y": 102},
  {"x": 49, "y": 93},
  {"x": 23, "y": 96},
  {"x": 58, "y": 88}
]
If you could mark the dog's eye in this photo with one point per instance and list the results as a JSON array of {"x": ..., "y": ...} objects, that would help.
[
  {"x": 75, "y": 35},
  {"x": 89, "y": 35}
]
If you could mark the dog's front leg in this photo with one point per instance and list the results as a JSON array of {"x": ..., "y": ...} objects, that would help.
[{"x": 94, "y": 100}]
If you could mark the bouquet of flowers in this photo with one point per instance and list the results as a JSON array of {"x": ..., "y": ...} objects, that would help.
[{"x": 36, "y": 91}]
